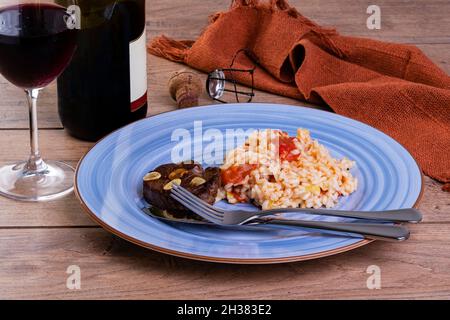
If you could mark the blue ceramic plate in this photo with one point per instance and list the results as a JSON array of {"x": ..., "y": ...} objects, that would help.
[{"x": 109, "y": 183}]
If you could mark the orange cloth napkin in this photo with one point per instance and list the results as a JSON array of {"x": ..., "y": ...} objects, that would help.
[{"x": 392, "y": 87}]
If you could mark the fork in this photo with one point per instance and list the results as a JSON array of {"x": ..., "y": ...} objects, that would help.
[{"x": 374, "y": 231}]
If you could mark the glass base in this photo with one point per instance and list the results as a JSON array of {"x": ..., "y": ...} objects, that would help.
[{"x": 55, "y": 181}]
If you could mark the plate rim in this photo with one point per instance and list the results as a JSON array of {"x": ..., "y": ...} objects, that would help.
[{"x": 246, "y": 261}]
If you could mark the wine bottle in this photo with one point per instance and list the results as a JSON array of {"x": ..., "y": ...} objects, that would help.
[{"x": 105, "y": 85}]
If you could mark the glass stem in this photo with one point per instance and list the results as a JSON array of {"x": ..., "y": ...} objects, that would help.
[{"x": 35, "y": 163}]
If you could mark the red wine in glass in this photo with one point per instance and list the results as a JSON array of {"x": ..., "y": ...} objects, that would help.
[
  {"x": 33, "y": 51},
  {"x": 37, "y": 42}
]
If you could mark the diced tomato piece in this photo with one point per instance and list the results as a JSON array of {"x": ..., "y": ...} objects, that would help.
[
  {"x": 237, "y": 174},
  {"x": 286, "y": 146},
  {"x": 238, "y": 197}
]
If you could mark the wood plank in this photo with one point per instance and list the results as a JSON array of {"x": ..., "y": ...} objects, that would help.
[
  {"x": 57, "y": 145},
  {"x": 54, "y": 144},
  {"x": 110, "y": 269},
  {"x": 160, "y": 100},
  {"x": 409, "y": 21},
  {"x": 435, "y": 203},
  {"x": 14, "y": 107},
  {"x": 66, "y": 212}
]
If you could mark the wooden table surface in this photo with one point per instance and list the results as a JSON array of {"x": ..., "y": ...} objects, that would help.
[{"x": 39, "y": 241}]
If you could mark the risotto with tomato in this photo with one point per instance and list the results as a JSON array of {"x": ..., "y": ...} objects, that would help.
[{"x": 273, "y": 170}]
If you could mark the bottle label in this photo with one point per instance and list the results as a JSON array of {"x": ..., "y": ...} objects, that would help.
[{"x": 138, "y": 72}]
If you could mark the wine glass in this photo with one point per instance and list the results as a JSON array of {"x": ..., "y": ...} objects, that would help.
[{"x": 37, "y": 42}]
